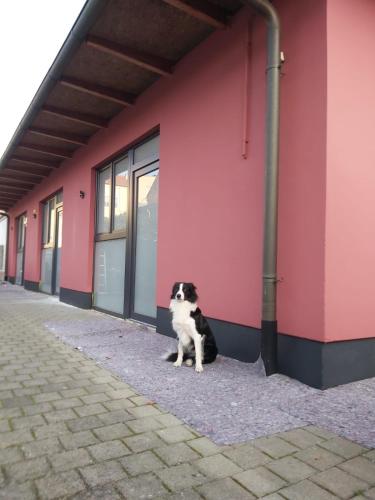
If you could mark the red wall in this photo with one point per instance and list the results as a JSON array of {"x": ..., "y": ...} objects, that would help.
[
  {"x": 302, "y": 178},
  {"x": 350, "y": 233},
  {"x": 211, "y": 199}
]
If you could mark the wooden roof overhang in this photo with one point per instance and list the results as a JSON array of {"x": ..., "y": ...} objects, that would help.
[{"x": 114, "y": 52}]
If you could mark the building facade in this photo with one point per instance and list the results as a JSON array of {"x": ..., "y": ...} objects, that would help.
[{"x": 171, "y": 188}]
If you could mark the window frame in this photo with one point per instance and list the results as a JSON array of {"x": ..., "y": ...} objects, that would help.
[
  {"x": 52, "y": 200},
  {"x": 21, "y": 234},
  {"x": 129, "y": 152},
  {"x": 112, "y": 234},
  {"x": 126, "y": 234}
]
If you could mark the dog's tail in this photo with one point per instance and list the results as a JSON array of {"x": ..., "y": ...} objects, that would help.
[{"x": 171, "y": 357}]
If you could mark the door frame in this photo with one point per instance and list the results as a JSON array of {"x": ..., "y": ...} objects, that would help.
[
  {"x": 24, "y": 217},
  {"x": 132, "y": 254},
  {"x": 58, "y": 208},
  {"x": 128, "y": 234},
  {"x": 51, "y": 244}
]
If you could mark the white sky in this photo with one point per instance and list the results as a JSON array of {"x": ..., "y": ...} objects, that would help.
[{"x": 31, "y": 34}]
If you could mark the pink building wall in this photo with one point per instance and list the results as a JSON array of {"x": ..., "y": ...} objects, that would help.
[
  {"x": 302, "y": 175},
  {"x": 211, "y": 199},
  {"x": 350, "y": 217}
]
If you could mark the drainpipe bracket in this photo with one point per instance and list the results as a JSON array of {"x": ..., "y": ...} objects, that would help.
[{"x": 270, "y": 278}]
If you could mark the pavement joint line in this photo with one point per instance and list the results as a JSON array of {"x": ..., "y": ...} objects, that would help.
[{"x": 366, "y": 450}]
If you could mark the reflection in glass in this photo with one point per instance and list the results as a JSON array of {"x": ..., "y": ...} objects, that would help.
[
  {"x": 147, "y": 150},
  {"x": 21, "y": 229},
  {"x": 19, "y": 268},
  {"x": 46, "y": 279},
  {"x": 58, "y": 250},
  {"x": 110, "y": 275},
  {"x": 121, "y": 194},
  {"x": 104, "y": 201},
  {"x": 45, "y": 223},
  {"x": 146, "y": 244}
]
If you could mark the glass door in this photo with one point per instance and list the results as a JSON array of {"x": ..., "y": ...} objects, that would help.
[
  {"x": 21, "y": 236},
  {"x": 145, "y": 237},
  {"x": 51, "y": 245},
  {"x": 111, "y": 236},
  {"x": 126, "y": 233},
  {"x": 58, "y": 248}
]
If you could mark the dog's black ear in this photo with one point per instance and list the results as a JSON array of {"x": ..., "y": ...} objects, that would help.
[{"x": 192, "y": 294}]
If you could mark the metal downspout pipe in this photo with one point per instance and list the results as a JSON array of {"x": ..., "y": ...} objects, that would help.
[{"x": 269, "y": 321}]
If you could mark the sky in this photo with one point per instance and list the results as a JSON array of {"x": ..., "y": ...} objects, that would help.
[{"x": 31, "y": 34}]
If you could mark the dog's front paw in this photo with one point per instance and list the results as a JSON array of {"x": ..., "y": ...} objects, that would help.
[
  {"x": 177, "y": 363},
  {"x": 198, "y": 368}
]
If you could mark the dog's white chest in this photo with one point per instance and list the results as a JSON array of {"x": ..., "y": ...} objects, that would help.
[{"x": 182, "y": 322}]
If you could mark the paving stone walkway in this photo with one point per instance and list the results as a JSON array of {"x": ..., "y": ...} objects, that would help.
[{"x": 71, "y": 429}]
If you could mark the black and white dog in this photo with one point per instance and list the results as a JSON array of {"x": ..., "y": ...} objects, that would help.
[{"x": 195, "y": 338}]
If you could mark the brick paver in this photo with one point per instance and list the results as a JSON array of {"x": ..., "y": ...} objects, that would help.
[{"x": 70, "y": 429}]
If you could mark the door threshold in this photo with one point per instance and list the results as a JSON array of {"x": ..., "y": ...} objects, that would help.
[
  {"x": 138, "y": 322},
  {"x": 121, "y": 318}
]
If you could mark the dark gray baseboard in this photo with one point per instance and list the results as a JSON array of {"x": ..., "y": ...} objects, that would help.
[
  {"x": 235, "y": 341},
  {"x": 325, "y": 365},
  {"x": 300, "y": 359},
  {"x": 11, "y": 279},
  {"x": 31, "y": 285},
  {"x": 347, "y": 361},
  {"x": 76, "y": 298},
  {"x": 317, "y": 364}
]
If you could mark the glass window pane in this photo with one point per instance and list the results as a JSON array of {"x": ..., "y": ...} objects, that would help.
[
  {"x": 58, "y": 250},
  {"x": 147, "y": 150},
  {"x": 121, "y": 194},
  {"x": 59, "y": 197},
  {"x": 2, "y": 259},
  {"x": 19, "y": 268},
  {"x": 104, "y": 201},
  {"x": 110, "y": 275},
  {"x": 146, "y": 244},
  {"x": 52, "y": 221},
  {"x": 24, "y": 221},
  {"x": 21, "y": 232},
  {"x": 45, "y": 222},
  {"x": 46, "y": 278}
]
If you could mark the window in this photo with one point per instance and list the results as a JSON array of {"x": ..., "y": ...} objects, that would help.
[
  {"x": 112, "y": 206},
  {"x": 120, "y": 208},
  {"x": 48, "y": 222},
  {"x": 21, "y": 233},
  {"x": 104, "y": 201}
]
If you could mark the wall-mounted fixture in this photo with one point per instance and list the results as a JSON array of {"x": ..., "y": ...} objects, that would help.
[
  {"x": 81, "y": 194},
  {"x": 34, "y": 213}
]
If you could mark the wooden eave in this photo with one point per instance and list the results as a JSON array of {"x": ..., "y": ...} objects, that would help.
[{"x": 114, "y": 52}]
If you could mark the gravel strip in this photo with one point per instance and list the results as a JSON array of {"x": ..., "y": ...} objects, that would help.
[{"x": 231, "y": 401}]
